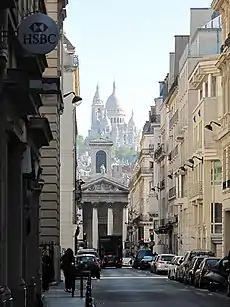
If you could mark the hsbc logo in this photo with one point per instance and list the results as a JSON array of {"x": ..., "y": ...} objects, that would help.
[
  {"x": 38, "y": 27},
  {"x": 38, "y": 34}
]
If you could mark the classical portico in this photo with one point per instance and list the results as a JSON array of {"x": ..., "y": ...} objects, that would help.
[{"x": 104, "y": 205}]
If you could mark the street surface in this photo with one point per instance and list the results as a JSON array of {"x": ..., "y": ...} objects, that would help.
[{"x": 134, "y": 288}]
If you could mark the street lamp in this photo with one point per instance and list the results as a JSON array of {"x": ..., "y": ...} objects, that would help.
[
  {"x": 209, "y": 126},
  {"x": 77, "y": 100},
  {"x": 155, "y": 188},
  {"x": 192, "y": 160}
]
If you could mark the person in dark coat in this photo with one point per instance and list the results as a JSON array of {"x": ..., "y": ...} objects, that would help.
[
  {"x": 68, "y": 268},
  {"x": 46, "y": 271}
]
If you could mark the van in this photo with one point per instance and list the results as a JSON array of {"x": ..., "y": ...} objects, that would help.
[{"x": 140, "y": 255}]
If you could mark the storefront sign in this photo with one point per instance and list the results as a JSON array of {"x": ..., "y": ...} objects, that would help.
[{"x": 38, "y": 34}]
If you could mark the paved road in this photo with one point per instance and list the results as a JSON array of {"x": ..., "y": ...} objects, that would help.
[{"x": 128, "y": 287}]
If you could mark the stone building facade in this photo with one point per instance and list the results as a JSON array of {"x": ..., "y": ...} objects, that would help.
[
  {"x": 52, "y": 108},
  {"x": 23, "y": 132}
]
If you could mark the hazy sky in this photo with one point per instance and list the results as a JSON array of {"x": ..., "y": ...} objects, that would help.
[{"x": 128, "y": 40}]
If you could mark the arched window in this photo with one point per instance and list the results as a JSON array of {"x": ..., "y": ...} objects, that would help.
[{"x": 100, "y": 160}]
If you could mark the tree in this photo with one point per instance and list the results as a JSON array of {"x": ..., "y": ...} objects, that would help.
[
  {"x": 81, "y": 144},
  {"x": 125, "y": 153}
]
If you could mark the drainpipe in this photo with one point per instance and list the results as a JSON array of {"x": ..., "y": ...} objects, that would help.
[
  {"x": 3, "y": 119},
  {"x": 3, "y": 42}
]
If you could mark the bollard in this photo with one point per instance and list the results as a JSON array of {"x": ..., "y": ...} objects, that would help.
[
  {"x": 88, "y": 296},
  {"x": 81, "y": 285}
]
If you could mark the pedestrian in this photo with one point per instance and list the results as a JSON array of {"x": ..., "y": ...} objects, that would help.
[
  {"x": 46, "y": 270},
  {"x": 68, "y": 268}
]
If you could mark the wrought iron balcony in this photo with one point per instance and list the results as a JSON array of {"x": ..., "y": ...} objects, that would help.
[
  {"x": 173, "y": 120},
  {"x": 172, "y": 193},
  {"x": 196, "y": 190},
  {"x": 159, "y": 153}
]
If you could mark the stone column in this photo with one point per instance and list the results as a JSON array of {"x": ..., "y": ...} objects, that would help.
[
  {"x": 95, "y": 228},
  {"x": 124, "y": 225},
  {"x": 110, "y": 220}
]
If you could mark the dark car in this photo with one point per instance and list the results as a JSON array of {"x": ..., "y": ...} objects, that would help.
[
  {"x": 87, "y": 264},
  {"x": 140, "y": 255},
  {"x": 145, "y": 262},
  {"x": 204, "y": 267},
  {"x": 189, "y": 275},
  {"x": 111, "y": 261},
  {"x": 187, "y": 259}
]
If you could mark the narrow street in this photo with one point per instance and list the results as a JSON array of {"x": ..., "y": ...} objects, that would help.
[{"x": 128, "y": 287}]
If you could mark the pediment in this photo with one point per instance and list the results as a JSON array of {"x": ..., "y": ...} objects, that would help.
[{"x": 104, "y": 185}]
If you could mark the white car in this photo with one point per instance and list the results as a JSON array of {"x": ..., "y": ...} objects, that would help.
[
  {"x": 162, "y": 263},
  {"x": 173, "y": 266}
]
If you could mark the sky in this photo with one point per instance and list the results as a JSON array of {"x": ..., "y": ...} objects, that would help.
[{"x": 127, "y": 41}]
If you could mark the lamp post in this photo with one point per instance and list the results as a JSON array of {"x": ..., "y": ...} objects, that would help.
[{"x": 77, "y": 100}]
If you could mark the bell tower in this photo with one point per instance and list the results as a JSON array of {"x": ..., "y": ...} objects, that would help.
[{"x": 100, "y": 152}]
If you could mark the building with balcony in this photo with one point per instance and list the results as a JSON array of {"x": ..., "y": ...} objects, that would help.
[
  {"x": 142, "y": 200},
  {"x": 176, "y": 222},
  {"x": 223, "y": 130},
  {"x": 24, "y": 132},
  {"x": 205, "y": 186},
  {"x": 50, "y": 156},
  {"x": 68, "y": 135},
  {"x": 207, "y": 34}
]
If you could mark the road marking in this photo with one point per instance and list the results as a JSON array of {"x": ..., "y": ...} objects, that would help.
[{"x": 133, "y": 277}]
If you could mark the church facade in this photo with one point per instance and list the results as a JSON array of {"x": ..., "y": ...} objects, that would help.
[{"x": 108, "y": 120}]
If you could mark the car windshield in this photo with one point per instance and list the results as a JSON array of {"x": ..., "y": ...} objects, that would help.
[
  {"x": 212, "y": 262},
  {"x": 85, "y": 259},
  {"x": 143, "y": 253},
  {"x": 148, "y": 258},
  {"x": 166, "y": 258},
  {"x": 200, "y": 253},
  {"x": 198, "y": 262},
  {"x": 88, "y": 252}
]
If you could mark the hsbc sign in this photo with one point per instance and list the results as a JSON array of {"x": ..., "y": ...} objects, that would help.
[{"x": 38, "y": 34}]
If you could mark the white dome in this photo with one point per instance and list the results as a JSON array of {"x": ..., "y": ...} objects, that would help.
[{"x": 112, "y": 102}]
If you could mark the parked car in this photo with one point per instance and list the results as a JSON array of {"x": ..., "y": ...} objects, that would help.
[
  {"x": 161, "y": 264},
  {"x": 145, "y": 262},
  {"x": 187, "y": 261},
  {"x": 87, "y": 263},
  {"x": 139, "y": 256},
  {"x": 89, "y": 251},
  {"x": 173, "y": 266},
  {"x": 204, "y": 267},
  {"x": 189, "y": 275}
]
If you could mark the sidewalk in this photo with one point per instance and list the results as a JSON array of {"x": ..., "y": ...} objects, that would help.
[{"x": 57, "y": 297}]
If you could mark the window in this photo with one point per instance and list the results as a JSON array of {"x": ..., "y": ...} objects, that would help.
[
  {"x": 213, "y": 86},
  {"x": 216, "y": 172},
  {"x": 216, "y": 218},
  {"x": 100, "y": 160},
  {"x": 151, "y": 165},
  {"x": 150, "y": 186}
]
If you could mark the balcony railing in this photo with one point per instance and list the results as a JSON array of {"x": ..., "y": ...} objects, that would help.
[
  {"x": 172, "y": 193},
  {"x": 196, "y": 190},
  {"x": 159, "y": 153},
  {"x": 173, "y": 120}
]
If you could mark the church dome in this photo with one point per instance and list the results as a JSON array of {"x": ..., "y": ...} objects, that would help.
[{"x": 112, "y": 102}]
